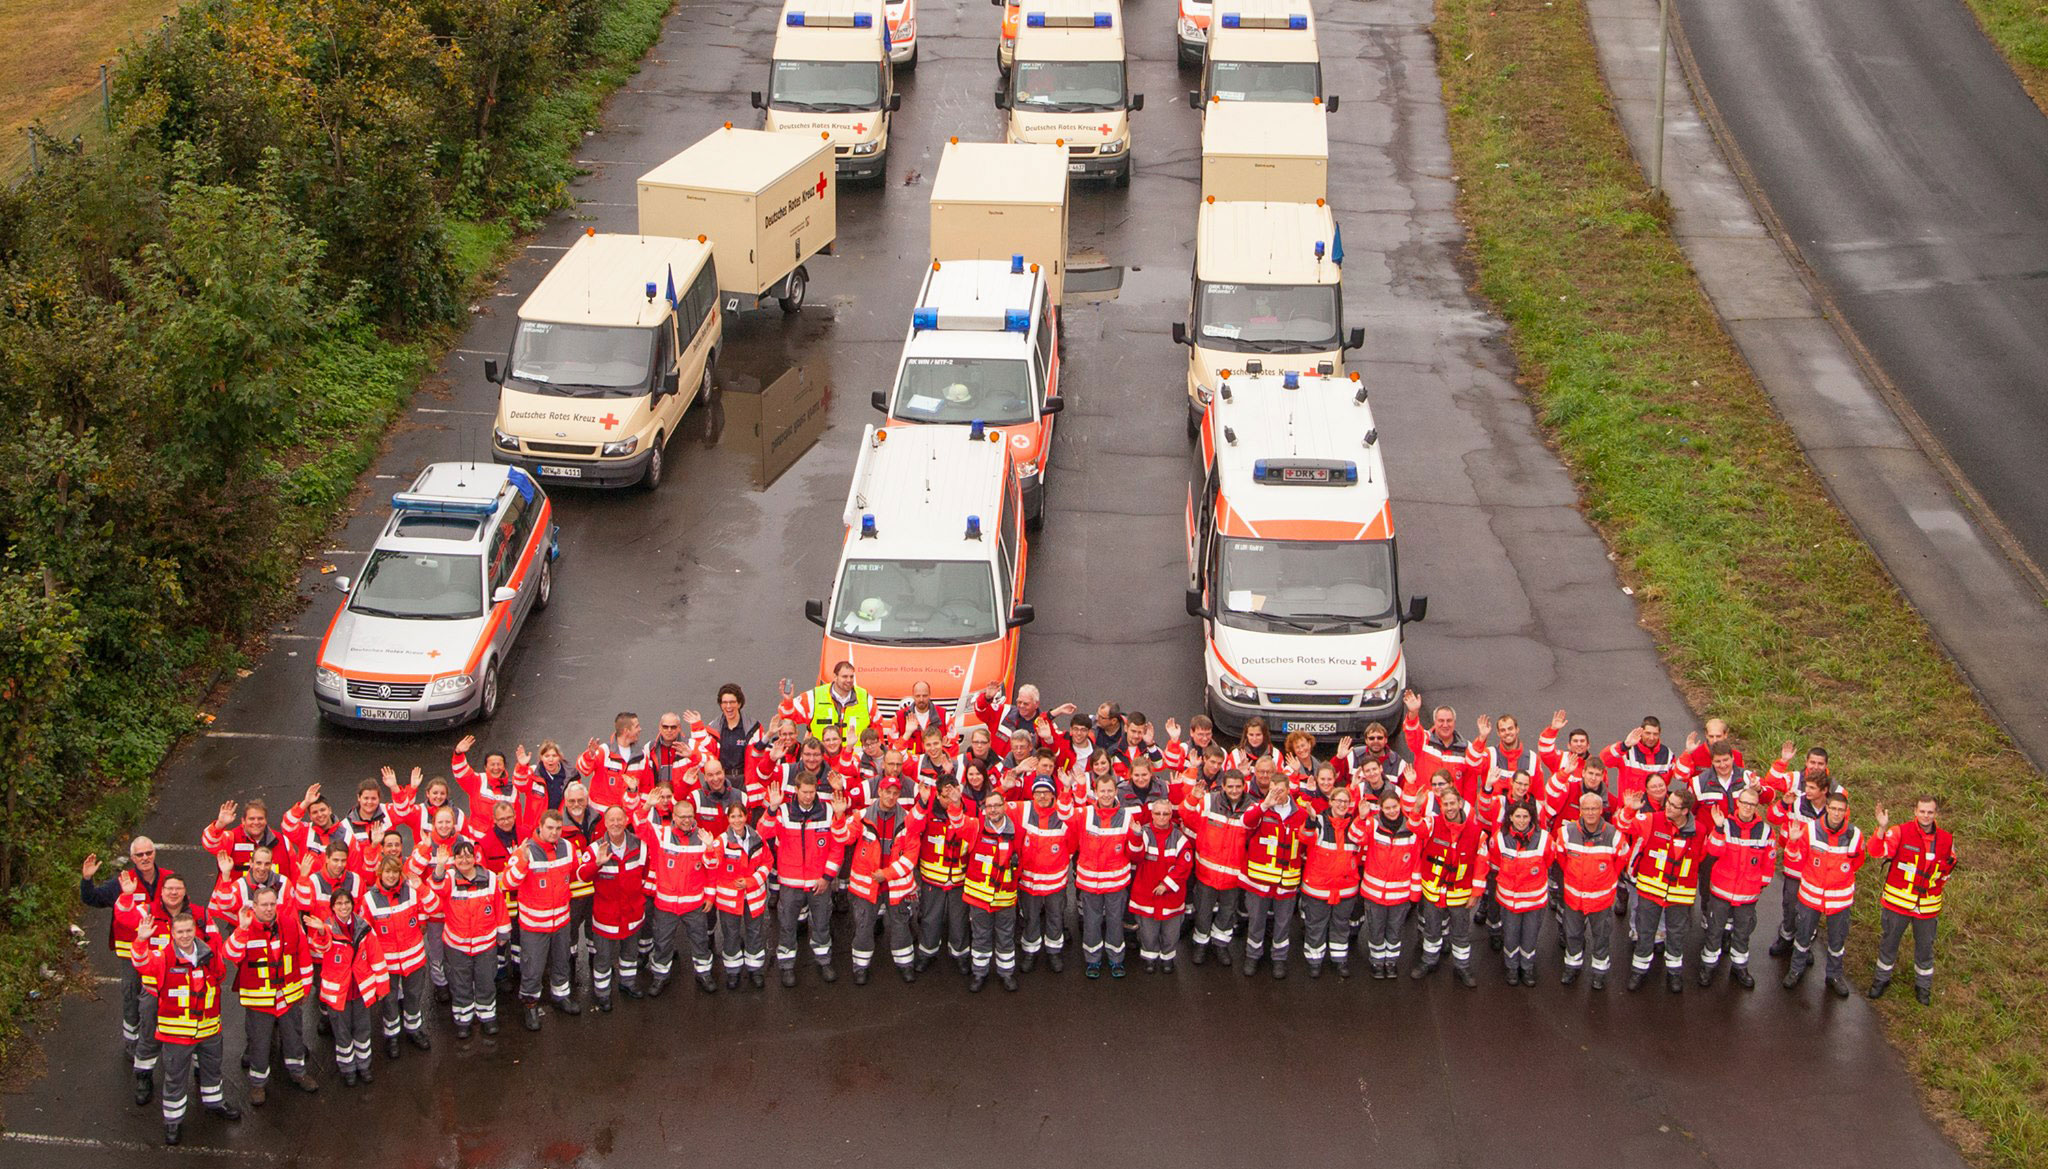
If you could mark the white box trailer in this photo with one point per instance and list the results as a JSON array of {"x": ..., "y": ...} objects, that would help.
[
  {"x": 994, "y": 200},
  {"x": 1265, "y": 152},
  {"x": 765, "y": 202}
]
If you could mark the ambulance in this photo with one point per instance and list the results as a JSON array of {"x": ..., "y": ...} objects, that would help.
[
  {"x": 1068, "y": 85},
  {"x": 1191, "y": 26},
  {"x": 983, "y": 351},
  {"x": 1268, "y": 286},
  {"x": 902, "y": 32},
  {"x": 1262, "y": 51},
  {"x": 830, "y": 75},
  {"x": 1291, "y": 559},
  {"x": 930, "y": 584},
  {"x": 620, "y": 338}
]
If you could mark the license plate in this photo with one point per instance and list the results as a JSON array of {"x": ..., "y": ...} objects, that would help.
[
  {"x": 562, "y": 472},
  {"x": 383, "y": 714},
  {"x": 1076, "y": 167},
  {"x": 1313, "y": 728}
]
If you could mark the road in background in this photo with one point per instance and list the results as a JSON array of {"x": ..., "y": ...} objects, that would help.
[{"x": 661, "y": 597}]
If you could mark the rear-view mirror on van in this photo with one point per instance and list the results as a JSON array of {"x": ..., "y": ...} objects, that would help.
[
  {"x": 1022, "y": 614},
  {"x": 671, "y": 381},
  {"x": 754, "y": 100},
  {"x": 1356, "y": 340},
  {"x": 491, "y": 370},
  {"x": 1137, "y": 102},
  {"x": 1180, "y": 333},
  {"x": 895, "y": 102},
  {"x": 1053, "y": 406},
  {"x": 1194, "y": 99},
  {"x": 881, "y": 400},
  {"x": 1330, "y": 103},
  {"x": 814, "y": 612},
  {"x": 1418, "y": 608}
]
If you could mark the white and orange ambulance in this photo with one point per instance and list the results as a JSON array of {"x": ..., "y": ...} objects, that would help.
[
  {"x": 930, "y": 586},
  {"x": 1291, "y": 560}
]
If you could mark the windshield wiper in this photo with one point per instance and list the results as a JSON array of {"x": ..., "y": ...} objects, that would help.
[
  {"x": 374, "y": 611},
  {"x": 842, "y": 107}
]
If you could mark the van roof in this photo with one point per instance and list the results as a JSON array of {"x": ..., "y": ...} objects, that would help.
[
  {"x": 603, "y": 280},
  {"x": 1314, "y": 434},
  {"x": 921, "y": 484},
  {"x": 742, "y": 162},
  {"x": 1001, "y": 172},
  {"x": 449, "y": 503},
  {"x": 830, "y": 30},
  {"x": 1266, "y": 130},
  {"x": 1071, "y": 30},
  {"x": 974, "y": 308},
  {"x": 1265, "y": 243}
]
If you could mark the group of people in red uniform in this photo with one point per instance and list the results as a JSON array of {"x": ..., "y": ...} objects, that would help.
[{"x": 978, "y": 836}]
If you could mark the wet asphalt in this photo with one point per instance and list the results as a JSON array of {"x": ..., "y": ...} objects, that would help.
[{"x": 661, "y": 597}]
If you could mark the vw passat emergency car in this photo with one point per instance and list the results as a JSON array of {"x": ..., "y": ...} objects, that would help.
[
  {"x": 983, "y": 350},
  {"x": 1068, "y": 85},
  {"x": 1291, "y": 559},
  {"x": 422, "y": 636},
  {"x": 930, "y": 586}
]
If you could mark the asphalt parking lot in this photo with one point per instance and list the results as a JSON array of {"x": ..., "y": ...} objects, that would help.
[{"x": 661, "y": 597}]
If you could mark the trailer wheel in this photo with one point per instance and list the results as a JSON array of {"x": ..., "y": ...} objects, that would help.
[{"x": 793, "y": 290}]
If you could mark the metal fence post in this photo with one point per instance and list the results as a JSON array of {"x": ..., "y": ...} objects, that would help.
[
  {"x": 106, "y": 103},
  {"x": 35, "y": 163},
  {"x": 1663, "y": 42}
]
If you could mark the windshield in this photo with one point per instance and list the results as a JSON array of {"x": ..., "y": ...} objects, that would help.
[
  {"x": 826, "y": 85},
  {"x": 583, "y": 361},
  {"x": 1267, "y": 318},
  {"x": 1306, "y": 586},
  {"x": 419, "y": 584},
  {"x": 962, "y": 389},
  {"x": 917, "y": 602},
  {"x": 1067, "y": 85},
  {"x": 1265, "y": 80}
]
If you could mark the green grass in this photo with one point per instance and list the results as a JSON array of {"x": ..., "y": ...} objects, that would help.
[
  {"x": 1770, "y": 612},
  {"x": 2020, "y": 30},
  {"x": 50, "y": 54}
]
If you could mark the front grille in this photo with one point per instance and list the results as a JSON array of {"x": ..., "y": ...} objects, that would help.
[
  {"x": 560, "y": 448},
  {"x": 1279, "y": 699},
  {"x": 386, "y": 691},
  {"x": 1080, "y": 149}
]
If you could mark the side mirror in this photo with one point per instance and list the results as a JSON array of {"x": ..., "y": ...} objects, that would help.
[
  {"x": 1180, "y": 333},
  {"x": 880, "y": 398},
  {"x": 671, "y": 381},
  {"x": 1194, "y": 99},
  {"x": 1195, "y": 606},
  {"x": 895, "y": 102},
  {"x": 1137, "y": 102},
  {"x": 1022, "y": 614},
  {"x": 342, "y": 584},
  {"x": 1418, "y": 608},
  {"x": 1330, "y": 103},
  {"x": 1002, "y": 100},
  {"x": 1053, "y": 406},
  {"x": 491, "y": 372},
  {"x": 503, "y": 593},
  {"x": 814, "y": 612},
  {"x": 754, "y": 99},
  {"x": 1356, "y": 340}
]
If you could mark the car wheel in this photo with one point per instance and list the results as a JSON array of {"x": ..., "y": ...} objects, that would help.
[
  {"x": 1036, "y": 520},
  {"x": 1194, "y": 422},
  {"x": 1123, "y": 177},
  {"x": 651, "y": 478},
  {"x": 710, "y": 385},
  {"x": 545, "y": 592},
  {"x": 799, "y": 281},
  {"x": 487, "y": 705},
  {"x": 910, "y": 62}
]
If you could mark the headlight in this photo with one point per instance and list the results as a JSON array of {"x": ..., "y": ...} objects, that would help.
[
  {"x": 1230, "y": 688},
  {"x": 506, "y": 442},
  {"x": 1204, "y": 394},
  {"x": 1381, "y": 695},
  {"x": 1027, "y": 470},
  {"x": 867, "y": 147},
  {"x": 1116, "y": 147},
  {"x": 327, "y": 679},
  {"x": 452, "y": 684},
  {"x": 624, "y": 446},
  {"x": 904, "y": 30}
]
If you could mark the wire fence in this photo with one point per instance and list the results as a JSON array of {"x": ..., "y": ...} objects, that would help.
[{"x": 24, "y": 150}]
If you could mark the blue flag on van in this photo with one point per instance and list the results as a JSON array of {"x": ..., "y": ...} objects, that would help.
[
  {"x": 1336, "y": 244},
  {"x": 672, "y": 286}
]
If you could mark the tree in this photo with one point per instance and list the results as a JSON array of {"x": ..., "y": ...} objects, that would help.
[{"x": 41, "y": 647}]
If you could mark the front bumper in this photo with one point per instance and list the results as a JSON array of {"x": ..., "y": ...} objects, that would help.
[
  {"x": 1194, "y": 41},
  {"x": 863, "y": 166},
  {"x": 901, "y": 51},
  {"x": 423, "y": 715},
  {"x": 1099, "y": 166},
  {"x": 590, "y": 472},
  {"x": 1231, "y": 716}
]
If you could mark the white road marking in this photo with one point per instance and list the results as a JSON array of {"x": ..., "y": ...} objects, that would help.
[
  {"x": 262, "y": 736},
  {"x": 472, "y": 413},
  {"x": 49, "y": 1141}
]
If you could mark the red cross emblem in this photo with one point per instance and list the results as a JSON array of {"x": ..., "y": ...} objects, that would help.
[
  {"x": 1368, "y": 663},
  {"x": 956, "y": 671},
  {"x": 1103, "y": 128},
  {"x": 609, "y": 420},
  {"x": 433, "y": 653},
  {"x": 858, "y": 129},
  {"x": 821, "y": 184}
]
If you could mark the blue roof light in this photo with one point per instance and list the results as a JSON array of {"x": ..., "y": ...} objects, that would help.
[
  {"x": 863, "y": 20},
  {"x": 437, "y": 505},
  {"x": 1319, "y": 249},
  {"x": 976, "y": 429},
  {"x": 867, "y": 526},
  {"x": 1016, "y": 263},
  {"x": 1016, "y": 320},
  {"x": 794, "y": 20},
  {"x": 1231, "y": 20},
  {"x": 650, "y": 290},
  {"x": 924, "y": 318},
  {"x": 1298, "y": 21},
  {"x": 1290, "y": 380},
  {"x": 1034, "y": 20},
  {"x": 1102, "y": 20},
  {"x": 974, "y": 527}
]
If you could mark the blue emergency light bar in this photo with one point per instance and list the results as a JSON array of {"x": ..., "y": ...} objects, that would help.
[
  {"x": 794, "y": 20},
  {"x": 924, "y": 318},
  {"x": 974, "y": 527},
  {"x": 1102, "y": 20},
  {"x": 1232, "y": 20},
  {"x": 867, "y": 526},
  {"x": 1016, "y": 320},
  {"x": 1016, "y": 263},
  {"x": 863, "y": 20},
  {"x": 1034, "y": 20},
  {"x": 1304, "y": 472},
  {"x": 1290, "y": 380},
  {"x": 1298, "y": 21},
  {"x": 437, "y": 505}
]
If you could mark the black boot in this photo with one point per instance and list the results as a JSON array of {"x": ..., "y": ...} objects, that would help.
[
  {"x": 1781, "y": 947},
  {"x": 1570, "y": 975},
  {"x": 1343, "y": 969},
  {"x": 391, "y": 1047},
  {"x": 627, "y": 988},
  {"x": 1674, "y": 982},
  {"x": 1635, "y": 979},
  {"x": 1841, "y": 987},
  {"x": 1923, "y": 995},
  {"x": 602, "y": 1002},
  {"x": 1878, "y": 986},
  {"x": 1599, "y": 981},
  {"x": 1793, "y": 976},
  {"x": 1706, "y": 975},
  {"x": 860, "y": 976},
  {"x": 419, "y": 1039},
  {"x": 826, "y": 973},
  {"x": 533, "y": 1016},
  {"x": 1740, "y": 976},
  {"x": 707, "y": 984},
  {"x": 759, "y": 978},
  {"x": 568, "y": 1006},
  {"x": 171, "y": 1134},
  {"x": 1464, "y": 976},
  {"x": 909, "y": 974},
  {"x": 1009, "y": 981},
  {"x": 145, "y": 1088},
  {"x": 787, "y": 975},
  {"x": 975, "y": 984},
  {"x": 490, "y": 1028},
  {"x": 1029, "y": 963},
  {"x": 225, "y": 1111},
  {"x": 1200, "y": 955},
  {"x": 1424, "y": 969},
  {"x": 1054, "y": 962}
]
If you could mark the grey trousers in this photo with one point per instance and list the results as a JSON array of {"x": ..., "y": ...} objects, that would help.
[
  {"x": 664, "y": 927},
  {"x": 1808, "y": 928},
  {"x": 1518, "y": 933},
  {"x": 1326, "y": 931},
  {"x": 789, "y": 916},
  {"x": 131, "y": 1006},
  {"x": 1440, "y": 924},
  {"x": 993, "y": 938},
  {"x": 1268, "y": 914},
  {"x": 895, "y": 922},
  {"x": 1042, "y": 921},
  {"x": 1383, "y": 926},
  {"x": 543, "y": 955},
  {"x": 1102, "y": 926},
  {"x": 179, "y": 1061},
  {"x": 941, "y": 921},
  {"x": 1788, "y": 902},
  {"x": 1720, "y": 915},
  {"x": 437, "y": 952},
  {"x": 147, "y": 1046},
  {"x": 1159, "y": 937},
  {"x": 286, "y": 1031},
  {"x": 406, "y": 1005},
  {"x": 609, "y": 955},
  {"x": 1215, "y": 915},
  {"x": 743, "y": 941},
  {"x": 351, "y": 1027},
  {"x": 1677, "y": 922},
  {"x": 1894, "y": 926},
  {"x": 1592, "y": 931},
  {"x": 473, "y": 985}
]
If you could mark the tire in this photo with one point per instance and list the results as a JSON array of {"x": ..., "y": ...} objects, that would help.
[
  {"x": 545, "y": 592},
  {"x": 1123, "y": 177},
  {"x": 799, "y": 283},
  {"x": 710, "y": 385},
  {"x": 1194, "y": 423},
  {"x": 910, "y": 62},
  {"x": 1036, "y": 520},
  {"x": 651, "y": 477},
  {"x": 488, "y": 705}
]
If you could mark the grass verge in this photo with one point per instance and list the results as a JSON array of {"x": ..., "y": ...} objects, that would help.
[
  {"x": 1769, "y": 610},
  {"x": 50, "y": 54},
  {"x": 355, "y": 385},
  {"x": 2020, "y": 30}
]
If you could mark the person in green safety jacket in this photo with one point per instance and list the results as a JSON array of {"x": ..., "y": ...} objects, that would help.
[{"x": 838, "y": 703}]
